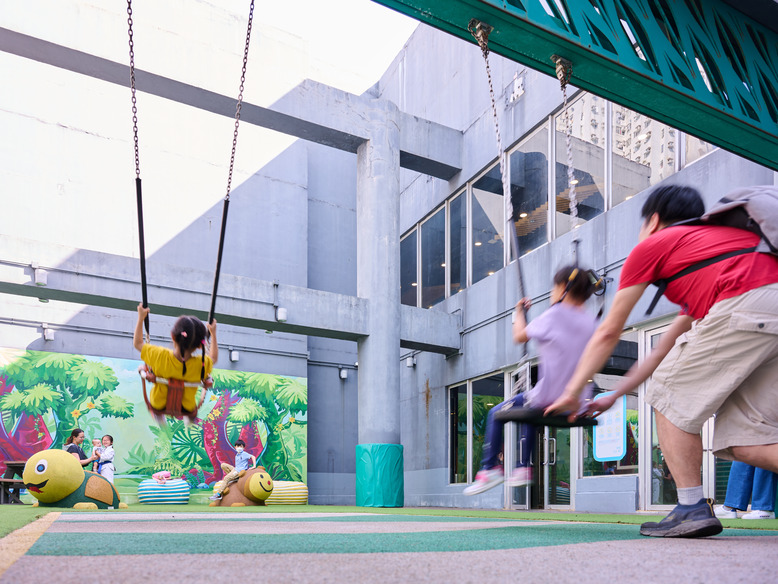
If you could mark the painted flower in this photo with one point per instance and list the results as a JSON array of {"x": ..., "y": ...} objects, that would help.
[
  {"x": 75, "y": 413},
  {"x": 90, "y": 405}
]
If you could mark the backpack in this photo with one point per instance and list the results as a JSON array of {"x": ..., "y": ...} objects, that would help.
[{"x": 753, "y": 208}]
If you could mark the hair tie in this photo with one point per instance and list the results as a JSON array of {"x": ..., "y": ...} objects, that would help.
[
  {"x": 203, "y": 341},
  {"x": 183, "y": 334}
]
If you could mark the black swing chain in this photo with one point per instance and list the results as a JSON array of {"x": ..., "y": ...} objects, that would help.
[
  {"x": 240, "y": 99},
  {"x": 132, "y": 89}
]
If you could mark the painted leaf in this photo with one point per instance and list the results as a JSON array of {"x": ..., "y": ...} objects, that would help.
[
  {"x": 12, "y": 401},
  {"x": 188, "y": 446},
  {"x": 224, "y": 380},
  {"x": 247, "y": 410},
  {"x": 22, "y": 372},
  {"x": 39, "y": 399},
  {"x": 293, "y": 396},
  {"x": 92, "y": 378},
  {"x": 260, "y": 386},
  {"x": 54, "y": 368},
  {"x": 113, "y": 405}
]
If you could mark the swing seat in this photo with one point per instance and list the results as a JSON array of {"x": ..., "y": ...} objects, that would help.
[
  {"x": 535, "y": 417},
  {"x": 175, "y": 394}
]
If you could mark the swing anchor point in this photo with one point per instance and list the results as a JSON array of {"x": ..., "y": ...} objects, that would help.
[
  {"x": 564, "y": 68},
  {"x": 480, "y": 30}
]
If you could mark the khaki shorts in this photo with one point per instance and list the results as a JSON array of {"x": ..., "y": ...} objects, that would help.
[{"x": 727, "y": 365}]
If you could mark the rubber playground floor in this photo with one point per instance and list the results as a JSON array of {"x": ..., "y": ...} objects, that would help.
[{"x": 356, "y": 544}]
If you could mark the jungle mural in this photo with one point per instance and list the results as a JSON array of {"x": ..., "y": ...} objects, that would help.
[{"x": 43, "y": 396}]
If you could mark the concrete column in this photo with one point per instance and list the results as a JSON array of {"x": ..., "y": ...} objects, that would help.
[{"x": 378, "y": 276}]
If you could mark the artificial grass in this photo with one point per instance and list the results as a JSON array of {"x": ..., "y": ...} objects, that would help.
[{"x": 15, "y": 516}]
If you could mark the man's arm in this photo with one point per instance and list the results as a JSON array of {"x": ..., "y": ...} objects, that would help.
[
  {"x": 641, "y": 371},
  {"x": 599, "y": 348},
  {"x": 520, "y": 321}
]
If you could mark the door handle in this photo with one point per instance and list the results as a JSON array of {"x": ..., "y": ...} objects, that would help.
[{"x": 552, "y": 450}]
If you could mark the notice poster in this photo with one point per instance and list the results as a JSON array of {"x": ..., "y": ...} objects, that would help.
[{"x": 610, "y": 433}]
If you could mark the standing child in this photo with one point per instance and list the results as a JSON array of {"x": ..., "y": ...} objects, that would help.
[
  {"x": 232, "y": 473},
  {"x": 562, "y": 332},
  {"x": 188, "y": 335},
  {"x": 105, "y": 464}
]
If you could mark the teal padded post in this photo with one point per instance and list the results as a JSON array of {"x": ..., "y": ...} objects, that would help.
[{"x": 380, "y": 481}]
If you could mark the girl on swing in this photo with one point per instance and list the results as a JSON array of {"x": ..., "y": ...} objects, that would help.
[
  {"x": 562, "y": 332},
  {"x": 188, "y": 334}
]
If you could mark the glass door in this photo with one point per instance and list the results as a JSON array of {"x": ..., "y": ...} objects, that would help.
[
  {"x": 516, "y": 497},
  {"x": 658, "y": 490},
  {"x": 557, "y": 468}
]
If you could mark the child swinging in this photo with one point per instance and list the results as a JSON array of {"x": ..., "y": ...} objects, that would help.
[{"x": 177, "y": 365}]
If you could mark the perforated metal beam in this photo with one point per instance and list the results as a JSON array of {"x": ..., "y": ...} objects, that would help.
[{"x": 700, "y": 66}]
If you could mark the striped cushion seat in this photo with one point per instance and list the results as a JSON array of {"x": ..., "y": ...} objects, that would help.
[
  {"x": 288, "y": 493},
  {"x": 173, "y": 492}
]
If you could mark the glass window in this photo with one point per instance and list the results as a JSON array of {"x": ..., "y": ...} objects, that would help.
[
  {"x": 623, "y": 357},
  {"x": 408, "y": 281},
  {"x": 639, "y": 155},
  {"x": 457, "y": 216},
  {"x": 488, "y": 225},
  {"x": 529, "y": 190},
  {"x": 487, "y": 393},
  {"x": 588, "y": 126},
  {"x": 695, "y": 149},
  {"x": 433, "y": 259},
  {"x": 458, "y": 417}
]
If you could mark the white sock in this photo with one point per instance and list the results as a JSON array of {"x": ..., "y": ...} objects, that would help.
[{"x": 689, "y": 496}]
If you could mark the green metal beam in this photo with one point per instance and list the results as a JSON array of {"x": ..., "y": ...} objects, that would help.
[{"x": 698, "y": 65}]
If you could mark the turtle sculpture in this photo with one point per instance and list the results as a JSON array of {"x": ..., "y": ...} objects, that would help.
[
  {"x": 56, "y": 479},
  {"x": 253, "y": 487}
]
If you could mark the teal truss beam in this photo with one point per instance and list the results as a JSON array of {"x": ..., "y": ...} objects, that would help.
[{"x": 698, "y": 65}]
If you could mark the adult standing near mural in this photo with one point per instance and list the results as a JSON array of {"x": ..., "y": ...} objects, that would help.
[{"x": 73, "y": 446}]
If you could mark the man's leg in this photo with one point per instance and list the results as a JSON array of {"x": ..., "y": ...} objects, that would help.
[
  {"x": 763, "y": 456},
  {"x": 682, "y": 452}
]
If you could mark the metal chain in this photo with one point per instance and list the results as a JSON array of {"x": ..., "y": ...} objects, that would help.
[
  {"x": 564, "y": 69},
  {"x": 480, "y": 31},
  {"x": 240, "y": 100},
  {"x": 132, "y": 89}
]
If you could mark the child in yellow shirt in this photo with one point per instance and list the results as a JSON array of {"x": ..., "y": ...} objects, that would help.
[{"x": 188, "y": 334}]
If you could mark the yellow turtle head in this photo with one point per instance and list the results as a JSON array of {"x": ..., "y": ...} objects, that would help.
[
  {"x": 259, "y": 485},
  {"x": 52, "y": 475}
]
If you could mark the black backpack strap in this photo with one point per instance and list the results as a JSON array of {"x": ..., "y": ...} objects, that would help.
[{"x": 662, "y": 284}]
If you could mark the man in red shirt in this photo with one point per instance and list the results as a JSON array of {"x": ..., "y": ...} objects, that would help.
[{"x": 719, "y": 356}]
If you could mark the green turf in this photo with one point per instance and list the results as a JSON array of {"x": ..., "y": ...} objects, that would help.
[
  {"x": 15, "y": 516},
  {"x": 101, "y": 544}
]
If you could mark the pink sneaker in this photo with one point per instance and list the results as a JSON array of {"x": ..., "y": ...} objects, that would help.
[
  {"x": 519, "y": 477},
  {"x": 485, "y": 479}
]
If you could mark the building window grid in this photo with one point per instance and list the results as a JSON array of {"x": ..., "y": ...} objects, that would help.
[{"x": 676, "y": 160}]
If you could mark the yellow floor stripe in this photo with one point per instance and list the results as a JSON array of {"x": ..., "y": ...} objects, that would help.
[{"x": 14, "y": 545}]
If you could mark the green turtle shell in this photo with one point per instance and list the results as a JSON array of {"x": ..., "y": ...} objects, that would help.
[{"x": 97, "y": 484}]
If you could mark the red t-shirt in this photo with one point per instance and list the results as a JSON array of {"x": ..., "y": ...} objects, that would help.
[{"x": 673, "y": 249}]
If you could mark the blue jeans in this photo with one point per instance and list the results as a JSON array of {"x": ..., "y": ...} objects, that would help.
[
  {"x": 493, "y": 437},
  {"x": 746, "y": 482}
]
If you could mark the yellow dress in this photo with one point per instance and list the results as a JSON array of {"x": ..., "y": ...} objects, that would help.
[{"x": 164, "y": 363}]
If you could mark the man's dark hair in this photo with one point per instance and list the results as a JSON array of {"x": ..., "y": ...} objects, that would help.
[
  {"x": 240, "y": 443},
  {"x": 673, "y": 203}
]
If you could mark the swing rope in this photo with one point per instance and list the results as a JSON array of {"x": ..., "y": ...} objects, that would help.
[
  {"x": 480, "y": 31},
  {"x": 232, "y": 164},
  {"x": 564, "y": 69},
  {"x": 138, "y": 189}
]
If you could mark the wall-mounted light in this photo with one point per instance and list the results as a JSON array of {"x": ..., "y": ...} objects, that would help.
[
  {"x": 410, "y": 361},
  {"x": 280, "y": 314},
  {"x": 343, "y": 373},
  {"x": 234, "y": 356},
  {"x": 48, "y": 334},
  {"x": 40, "y": 276}
]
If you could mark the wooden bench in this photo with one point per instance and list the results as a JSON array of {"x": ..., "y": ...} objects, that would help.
[{"x": 9, "y": 491}]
